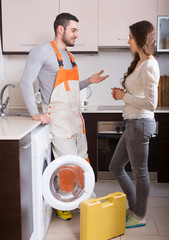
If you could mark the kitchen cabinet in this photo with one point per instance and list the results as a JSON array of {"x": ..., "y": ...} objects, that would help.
[
  {"x": 163, "y": 156},
  {"x": 103, "y": 23},
  {"x": 26, "y": 24},
  {"x": 16, "y": 209},
  {"x": 91, "y": 122},
  {"x": 115, "y": 17},
  {"x": 87, "y": 13},
  {"x": 163, "y": 7},
  {"x": 163, "y": 26},
  {"x": 163, "y": 34}
]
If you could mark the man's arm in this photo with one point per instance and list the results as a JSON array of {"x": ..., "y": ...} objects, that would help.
[
  {"x": 95, "y": 78},
  {"x": 31, "y": 71}
]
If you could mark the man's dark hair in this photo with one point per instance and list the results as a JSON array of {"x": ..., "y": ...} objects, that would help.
[{"x": 63, "y": 20}]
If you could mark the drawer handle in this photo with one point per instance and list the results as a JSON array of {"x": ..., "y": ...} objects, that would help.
[{"x": 27, "y": 145}]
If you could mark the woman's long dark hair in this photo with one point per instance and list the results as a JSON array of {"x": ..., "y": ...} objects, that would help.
[{"x": 144, "y": 35}]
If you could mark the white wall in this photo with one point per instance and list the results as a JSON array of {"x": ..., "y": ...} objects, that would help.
[{"x": 113, "y": 62}]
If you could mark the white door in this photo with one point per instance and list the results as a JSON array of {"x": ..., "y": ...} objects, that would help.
[
  {"x": 67, "y": 181},
  {"x": 26, "y": 24},
  {"x": 87, "y": 13},
  {"x": 115, "y": 17}
]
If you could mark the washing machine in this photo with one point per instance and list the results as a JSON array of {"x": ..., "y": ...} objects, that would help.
[
  {"x": 41, "y": 158},
  {"x": 60, "y": 184}
]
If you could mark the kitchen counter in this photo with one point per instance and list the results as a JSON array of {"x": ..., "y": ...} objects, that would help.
[
  {"x": 15, "y": 128},
  {"x": 114, "y": 109}
]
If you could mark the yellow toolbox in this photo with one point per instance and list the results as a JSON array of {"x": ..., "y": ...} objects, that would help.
[{"x": 103, "y": 218}]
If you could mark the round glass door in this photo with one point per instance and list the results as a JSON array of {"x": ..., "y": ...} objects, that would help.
[{"x": 67, "y": 181}]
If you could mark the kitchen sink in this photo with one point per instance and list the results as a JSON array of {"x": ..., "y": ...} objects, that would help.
[
  {"x": 15, "y": 112},
  {"x": 11, "y": 114}
]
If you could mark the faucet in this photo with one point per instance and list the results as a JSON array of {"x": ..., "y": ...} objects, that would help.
[{"x": 4, "y": 105}]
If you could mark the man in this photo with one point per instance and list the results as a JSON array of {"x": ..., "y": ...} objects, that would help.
[{"x": 57, "y": 73}]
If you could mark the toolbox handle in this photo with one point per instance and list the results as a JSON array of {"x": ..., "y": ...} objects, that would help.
[
  {"x": 109, "y": 196},
  {"x": 103, "y": 198}
]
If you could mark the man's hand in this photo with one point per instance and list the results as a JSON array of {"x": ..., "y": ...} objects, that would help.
[
  {"x": 44, "y": 118},
  {"x": 96, "y": 78}
]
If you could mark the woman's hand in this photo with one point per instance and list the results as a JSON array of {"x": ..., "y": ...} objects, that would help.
[
  {"x": 118, "y": 93},
  {"x": 44, "y": 118}
]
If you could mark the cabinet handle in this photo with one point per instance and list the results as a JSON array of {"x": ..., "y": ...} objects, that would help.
[
  {"x": 27, "y": 145},
  {"x": 29, "y": 44},
  {"x": 80, "y": 45},
  {"x": 123, "y": 39}
]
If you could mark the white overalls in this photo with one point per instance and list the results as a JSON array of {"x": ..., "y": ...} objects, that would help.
[{"x": 67, "y": 124}]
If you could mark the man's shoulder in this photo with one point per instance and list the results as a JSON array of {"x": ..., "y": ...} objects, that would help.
[{"x": 41, "y": 49}]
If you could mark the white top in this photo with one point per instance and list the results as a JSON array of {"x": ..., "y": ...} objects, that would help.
[{"x": 142, "y": 91}]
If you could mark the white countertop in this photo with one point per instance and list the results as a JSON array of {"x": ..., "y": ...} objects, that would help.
[
  {"x": 15, "y": 128},
  {"x": 114, "y": 109}
]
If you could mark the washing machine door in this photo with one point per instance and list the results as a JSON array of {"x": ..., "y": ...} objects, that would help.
[{"x": 67, "y": 181}]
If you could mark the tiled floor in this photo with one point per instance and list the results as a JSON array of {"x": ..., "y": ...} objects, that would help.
[{"x": 157, "y": 227}]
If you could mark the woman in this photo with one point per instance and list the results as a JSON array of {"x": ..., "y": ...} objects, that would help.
[{"x": 140, "y": 85}]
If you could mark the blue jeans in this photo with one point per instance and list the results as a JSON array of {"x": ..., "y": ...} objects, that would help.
[{"x": 133, "y": 146}]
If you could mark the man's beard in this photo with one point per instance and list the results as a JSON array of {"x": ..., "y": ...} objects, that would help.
[{"x": 67, "y": 42}]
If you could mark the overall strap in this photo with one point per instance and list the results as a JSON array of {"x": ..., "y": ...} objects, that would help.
[
  {"x": 72, "y": 59},
  {"x": 59, "y": 56}
]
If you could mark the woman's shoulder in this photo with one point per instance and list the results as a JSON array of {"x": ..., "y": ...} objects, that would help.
[
  {"x": 151, "y": 62},
  {"x": 151, "y": 68}
]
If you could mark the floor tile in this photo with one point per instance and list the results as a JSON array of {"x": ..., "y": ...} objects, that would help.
[
  {"x": 51, "y": 236},
  {"x": 58, "y": 226},
  {"x": 158, "y": 213},
  {"x": 162, "y": 227},
  {"x": 157, "y": 216},
  {"x": 158, "y": 202},
  {"x": 159, "y": 189},
  {"x": 137, "y": 237},
  {"x": 104, "y": 187},
  {"x": 149, "y": 229}
]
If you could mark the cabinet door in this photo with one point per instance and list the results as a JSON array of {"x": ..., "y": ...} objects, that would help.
[
  {"x": 16, "y": 209},
  {"x": 163, "y": 163},
  {"x": 115, "y": 17},
  {"x": 87, "y": 13},
  {"x": 163, "y": 7},
  {"x": 25, "y": 167},
  {"x": 26, "y": 24}
]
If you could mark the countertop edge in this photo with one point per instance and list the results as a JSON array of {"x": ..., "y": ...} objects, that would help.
[
  {"x": 94, "y": 109},
  {"x": 29, "y": 125}
]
